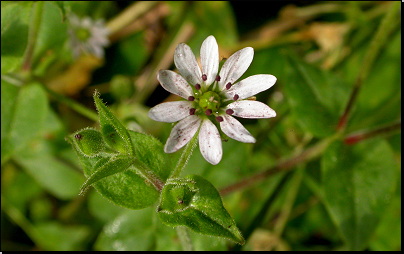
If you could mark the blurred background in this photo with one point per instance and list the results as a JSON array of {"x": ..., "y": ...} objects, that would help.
[{"x": 343, "y": 196}]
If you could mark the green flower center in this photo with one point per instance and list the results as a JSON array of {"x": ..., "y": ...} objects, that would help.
[
  {"x": 210, "y": 100},
  {"x": 83, "y": 34}
]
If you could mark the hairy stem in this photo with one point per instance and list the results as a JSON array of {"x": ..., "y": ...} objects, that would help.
[
  {"x": 186, "y": 154},
  {"x": 387, "y": 25},
  {"x": 185, "y": 239}
]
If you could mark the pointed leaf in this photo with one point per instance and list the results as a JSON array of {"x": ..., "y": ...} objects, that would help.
[
  {"x": 316, "y": 97},
  {"x": 27, "y": 114},
  {"x": 114, "y": 133},
  {"x": 194, "y": 202},
  {"x": 106, "y": 167},
  {"x": 130, "y": 188},
  {"x": 88, "y": 141},
  {"x": 356, "y": 182}
]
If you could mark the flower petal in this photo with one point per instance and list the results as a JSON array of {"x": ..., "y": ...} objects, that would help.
[
  {"x": 251, "y": 109},
  {"x": 235, "y": 66},
  {"x": 182, "y": 133},
  {"x": 170, "y": 112},
  {"x": 210, "y": 59},
  {"x": 251, "y": 86},
  {"x": 187, "y": 65},
  {"x": 174, "y": 83},
  {"x": 210, "y": 143},
  {"x": 235, "y": 130}
]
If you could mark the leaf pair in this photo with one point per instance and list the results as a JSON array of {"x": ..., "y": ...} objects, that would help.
[
  {"x": 126, "y": 167},
  {"x": 194, "y": 202}
]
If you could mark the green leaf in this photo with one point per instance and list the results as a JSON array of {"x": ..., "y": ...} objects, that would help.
[
  {"x": 54, "y": 236},
  {"x": 51, "y": 25},
  {"x": 194, "y": 202},
  {"x": 113, "y": 132},
  {"x": 106, "y": 167},
  {"x": 9, "y": 95},
  {"x": 58, "y": 178},
  {"x": 356, "y": 182},
  {"x": 26, "y": 117},
  {"x": 316, "y": 97},
  {"x": 88, "y": 141},
  {"x": 130, "y": 231},
  {"x": 130, "y": 188},
  {"x": 15, "y": 18}
]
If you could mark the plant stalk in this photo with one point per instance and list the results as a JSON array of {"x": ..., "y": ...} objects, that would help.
[{"x": 387, "y": 25}]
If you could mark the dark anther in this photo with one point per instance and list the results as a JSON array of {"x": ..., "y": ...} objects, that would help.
[
  {"x": 235, "y": 97},
  {"x": 229, "y": 111},
  {"x": 208, "y": 112},
  {"x": 219, "y": 119},
  {"x": 180, "y": 202},
  {"x": 191, "y": 98},
  {"x": 77, "y": 136},
  {"x": 192, "y": 111},
  {"x": 197, "y": 86},
  {"x": 217, "y": 78},
  {"x": 204, "y": 77},
  {"x": 228, "y": 85}
]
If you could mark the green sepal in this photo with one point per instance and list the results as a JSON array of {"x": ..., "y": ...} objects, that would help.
[
  {"x": 194, "y": 202},
  {"x": 88, "y": 141},
  {"x": 113, "y": 132},
  {"x": 106, "y": 167}
]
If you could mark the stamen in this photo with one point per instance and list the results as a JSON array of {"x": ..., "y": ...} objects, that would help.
[
  {"x": 208, "y": 112},
  {"x": 228, "y": 85},
  {"x": 217, "y": 78},
  {"x": 197, "y": 86},
  {"x": 204, "y": 77},
  {"x": 192, "y": 111},
  {"x": 219, "y": 119},
  {"x": 191, "y": 98},
  {"x": 229, "y": 111},
  {"x": 235, "y": 97}
]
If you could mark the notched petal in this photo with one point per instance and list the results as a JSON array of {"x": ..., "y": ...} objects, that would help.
[
  {"x": 174, "y": 83},
  {"x": 235, "y": 66},
  {"x": 170, "y": 112},
  {"x": 182, "y": 133},
  {"x": 210, "y": 59},
  {"x": 210, "y": 143},
  {"x": 187, "y": 65},
  {"x": 251, "y": 109},
  {"x": 235, "y": 130},
  {"x": 251, "y": 86}
]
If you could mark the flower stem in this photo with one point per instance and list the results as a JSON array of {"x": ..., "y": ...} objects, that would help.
[
  {"x": 33, "y": 33},
  {"x": 185, "y": 239},
  {"x": 307, "y": 155},
  {"x": 129, "y": 15},
  {"x": 186, "y": 154},
  {"x": 387, "y": 25},
  {"x": 90, "y": 114},
  {"x": 357, "y": 137}
]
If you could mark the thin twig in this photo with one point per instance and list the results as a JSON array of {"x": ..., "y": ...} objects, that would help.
[
  {"x": 387, "y": 25},
  {"x": 307, "y": 155},
  {"x": 359, "y": 136}
]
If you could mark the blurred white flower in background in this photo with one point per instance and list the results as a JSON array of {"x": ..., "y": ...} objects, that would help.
[{"x": 87, "y": 36}]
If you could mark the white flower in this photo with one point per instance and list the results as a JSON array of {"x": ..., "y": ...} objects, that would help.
[
  {"x": 87, "y": 36},
  {"x": 211, "y": 98}
]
